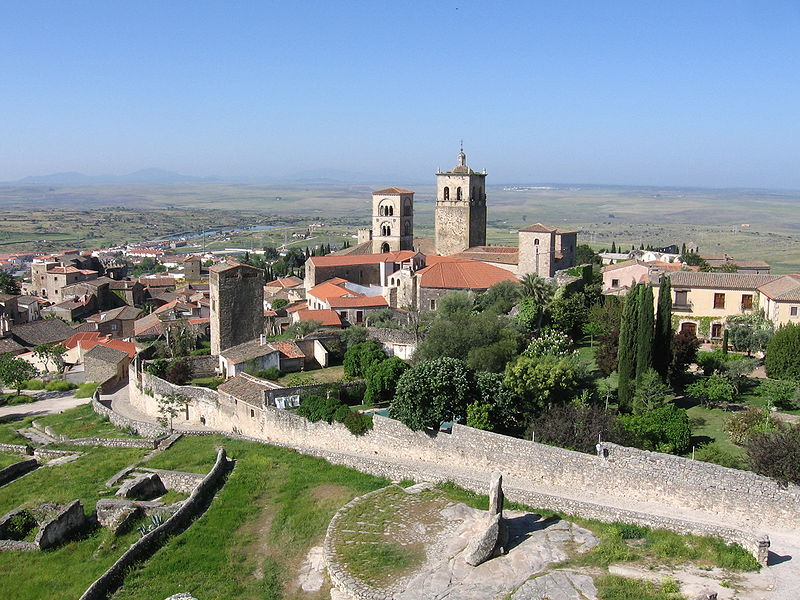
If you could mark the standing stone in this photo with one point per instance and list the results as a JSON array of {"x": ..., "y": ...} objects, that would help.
[{"x": 496, "y": 497}]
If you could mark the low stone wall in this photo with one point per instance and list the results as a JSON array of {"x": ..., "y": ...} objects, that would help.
[
  {"x": 351, "y": 588},
  {"x": 203, "y": 366},
  {"x": 179, "y": 481},
  {"x": 61, "y": 527},
  {"x": 44, "y": 454},
  {"x": 145, "y": 547},
  {"x": 17, "y": 448},
  {"x": 148, "y": 443},
  {"x": 143, "y": 428},
  {"x": 18, "y": 469}
]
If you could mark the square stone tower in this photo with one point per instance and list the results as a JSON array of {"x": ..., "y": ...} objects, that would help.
[
  {"x": 392, "y": 220},
  {"x": 544, "y": 250},
  {"x": 460, "y": 208},
  {"x": 237, "y": 304}
]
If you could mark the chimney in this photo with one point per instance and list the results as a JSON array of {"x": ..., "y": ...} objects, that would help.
[{"x": 262, "y": 339}]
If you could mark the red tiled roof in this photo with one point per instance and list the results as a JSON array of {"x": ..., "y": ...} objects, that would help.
[
  {"x": 288, "y": 349},
  {"x": 80, "y": 338},
  {"x": 393, "y": 191},
  {"x": 295, "y": 307},
  {"x": 332, "y": 288},
  {"x": 326, "y": 318},
  {"x": 199, "y": 321},
  {"x": 65, "y": 270},
  {"x": 539, "y": 228},
  {"x": 463, "y": 274},
  {"x": 361, "y": 259},
  {"x": 157, "y": 281},
  {"x": 357, "y": 302},
  {"x": 285, "y": 282},
  {"x": 126, "y": 347}
]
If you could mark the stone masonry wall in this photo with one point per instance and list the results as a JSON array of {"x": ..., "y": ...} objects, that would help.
[
  {"x": 626, "y": 473},
  {"x": 142, "y": 428},
  {"x": 18, "y": 469}
]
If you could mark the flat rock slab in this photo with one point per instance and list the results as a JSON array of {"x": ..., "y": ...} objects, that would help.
[
  {"x": 312, "y": 574},
  {"x": 559, "y": 585}
]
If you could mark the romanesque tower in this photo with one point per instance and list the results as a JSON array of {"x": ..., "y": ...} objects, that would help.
[
  {"x": 392, "y": 220},
  {"x": 460, "y": 208}
]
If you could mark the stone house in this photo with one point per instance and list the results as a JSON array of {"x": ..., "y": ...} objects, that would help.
[
  {"x": 118, "y": 323},
  {"x": 290, "y": 289},
  {"x": 48, "y": 277},
  {"x": 131, "y": 292},
  {"x": 72, "y": 309},
  {"x": 361, "y": 269},
  {"x": 29, "y": 309},
  {"x": 9, "y": 310},
  {"x": 103, "y": 363},
  {"x": 192, "y": 266},
  {"x": 259, "y": 354},
  {"x": 749, "y": 267},
  {"x": 45, "y": 331}
]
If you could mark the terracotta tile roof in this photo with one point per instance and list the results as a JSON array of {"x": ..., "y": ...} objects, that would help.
[
  {"x": 82, "y": 338},
  {"x": 326, "y": 318},
  {"x": 148, "y": 325},
  {"x": 157, "y": 281},
  {"x": 288, "y": 349},
  {"x": 786, "y": 288},
  {"x": 332, "y": 288},
  {"x": 731, "y": 281},
  {"x": 507, "y": 255},
  {"x": 392, "y": 191},
  {"x": 225, "y": 265},
  {"x": 128, "y": 347},
  {"x": 177, "y": 304},
  {"x": 539, "y": 228},
  {"x": 463, "y": 274},
  {"x": 65, "y": 270},
  {"x": 361, "y": 259},
  {"x": 199, "y": 321},
  {"x": 255, "y": 349},
  {"x": 297, "y": 306},
  {"x": 358, "y": 302},
  {"x": 285, "y": 282}
]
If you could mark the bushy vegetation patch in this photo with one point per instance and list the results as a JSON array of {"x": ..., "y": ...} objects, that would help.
[
  {"x": 86, "y": 390},
  {"x": 59, "y": 385},
  {"x": 330, "y": 409}
]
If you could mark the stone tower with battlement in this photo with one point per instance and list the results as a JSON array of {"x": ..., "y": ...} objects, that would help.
[
  {"x": 392, "y": 220},
  {"x": 460, "y": 208}
]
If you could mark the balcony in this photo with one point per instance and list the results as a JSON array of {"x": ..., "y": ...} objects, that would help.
[{"x": 685, "y": 306}]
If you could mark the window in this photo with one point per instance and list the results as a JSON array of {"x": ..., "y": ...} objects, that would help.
[
  {"x": 359, "y": 316},
  {"x": 252, "y": 414},
  {"x": 689, "y": 327},
  {"x": 408, "y": 228},
  {"x": 447, "y": 193},
  {"x": 793, "y": 311},
  {"x": 615, "y": 283},
  {"x": 719, "y": 300},
  {"x": 384, "y": 248},
  {"x": 343, "y": 314},
  {"x": 747, "y": 301},
  {"x": 433, "y": 304},
  {"x": 682, "y": 298},
  {"x": 716, "y": 330},
  {"x": 536, "y": 242},
  {"x": 458, "y": 193}
]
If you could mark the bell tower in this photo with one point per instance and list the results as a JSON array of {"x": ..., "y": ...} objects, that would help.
[
  {"x": 392, "y": 220},
  {"x": 460, "y": 208}
]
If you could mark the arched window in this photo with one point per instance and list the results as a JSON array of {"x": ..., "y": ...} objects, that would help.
[
  {"x": 407, "y": 208},
  {"x": 536, "y": 242},
  {"x": 407, "y": 228},
  {"x": 384, "y": 247},
  {"x": 458, "y": 193},
  {"x": 447, "y": 193},
  {"x": 391, "y": 211}
]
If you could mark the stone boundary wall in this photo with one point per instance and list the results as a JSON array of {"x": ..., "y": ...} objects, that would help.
[
  {"x": 340, "y": 578},
  {"x": 147, "y": 443},
  {"x": 628, "y": 474},
  {"x": 180, "y": 481},
  {"x": 143, "y": 428},
  {"x": 17, "y": 448},
  {"x": 48, "y": 454},
  {"x": 18, "y": 469},
  {"x": 145, "y": 547},
  {"x": 203, "y": 366}
]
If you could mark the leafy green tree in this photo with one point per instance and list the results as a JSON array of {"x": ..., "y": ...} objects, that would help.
[
  {"x": 478, "y": 416},
  {"x": 178, "y": 372},
  {"x": 170, "y": 406},
  {"x": 500, "y": 298},
  {"x": 382, "y": 378},
  {"x": 749, "y": 333},
  {"x": 432, "y": 392},
  {"x": 359, "y": 358},
  {"x": 14, "y": 372},
  {"x": 8, "y": 285},
  {"x": 549, "y": 342},
  {"x": 529, "y": 317},
  {"x": 357, "y": 334},
  {"x": 48, "y": 353},
  {"x": 495, "y": 356},
  {"x": 606, "y": 316},
  {"x": 301, "y": 329},
  {"x": 537, "y": 288},
  {"x": 585, "y": 255},
  {"x": 650, "y": 393},
  {"x": 664, "y": 429},
  {"x": 627, "y": 354},
  {"x": 712, "y": 390},
  {"x": 662, "y": 337},
  {"x": 505, "y": 413},
  {"x": 568, "y": 313},
  {"x": 783, "y": 394},
  {"x": 575, "y": 425},
  {"x": 693, "y": 259},
  {"x": 541, "y": 381},
  {"x": 783, "y": 359},
  {"x": 279, "y": 303}
]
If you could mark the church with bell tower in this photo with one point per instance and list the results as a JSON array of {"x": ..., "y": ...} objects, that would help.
[{"x": 460, "y": 218}]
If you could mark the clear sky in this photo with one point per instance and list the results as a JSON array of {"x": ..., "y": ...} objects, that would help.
[{"x": 661, "y": 93}]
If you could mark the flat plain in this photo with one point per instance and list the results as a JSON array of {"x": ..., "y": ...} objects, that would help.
[{"x": 748, "y": 224}]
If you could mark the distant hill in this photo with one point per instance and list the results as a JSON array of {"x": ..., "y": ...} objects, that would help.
[{"x": 147, "y": 176}]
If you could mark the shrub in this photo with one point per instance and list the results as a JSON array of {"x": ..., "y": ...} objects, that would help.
[
  {"x": 318, "y": 408},
  {"x": 664, "y": 429},
  {"x": 13, "y": 399},
  {"x": 279, "y": 303},
  {"x": 86, "y": 390},
  {"x": 711, "y": 389},
  {"x": 59, "y": 385},
  {"x": 714, "y": 453},
  {"x": 178, "y": 372},
  {"x": 711, "y": 362},
  {"x": 382, "y": 380},
  {"x": 574, "y": 425},
  {"x": 783, "y": 359},
  {"x": 360, "y": 357},
  {"x": 776, "y": 453},
  {"x": 783, "y": 394},
  {"x": 272, "y": 374},
  {"x": 549, "y": 342},
  {"x": 200, "y": 352},
  {"x": 34, "y": 384},
  {"x": 743, "y": 424},
  {"x": 20, "y": 524}
]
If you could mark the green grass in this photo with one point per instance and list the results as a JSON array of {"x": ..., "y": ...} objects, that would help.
[
  {"x": 207, "y": 382},
  {"x": 9, "y": 458},
  {"x": 327, "y": 375},
  {"x": 708, "y": 425},
  {"x": 614, "y": 587},
  {"x": 172, "y": 496},
  {"x": 82, "y": 421},
  {"x": 59, "y": 385},
  {"x": 86, "y": 390},
  {"x": 14, "y": 399},
  {"x": 275, "y": 505},
  {"x": 8, "y": 433}
]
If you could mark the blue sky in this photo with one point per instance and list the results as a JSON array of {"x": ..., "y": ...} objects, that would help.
[{"x": 661, "y": 93}]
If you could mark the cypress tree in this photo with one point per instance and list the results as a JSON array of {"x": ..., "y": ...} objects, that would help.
[
  {"x": 626, "y": 354},
  {"x": 645, "y": 331},
  {"x": 613, "y": 246},
  {"x": 662, "y": 341}
]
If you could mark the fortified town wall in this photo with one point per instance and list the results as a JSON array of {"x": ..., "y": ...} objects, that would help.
[{"x": 629, "y": 474}]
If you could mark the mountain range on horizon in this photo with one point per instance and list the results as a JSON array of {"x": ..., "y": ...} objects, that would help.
[{"x": 154, "y": 176}]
